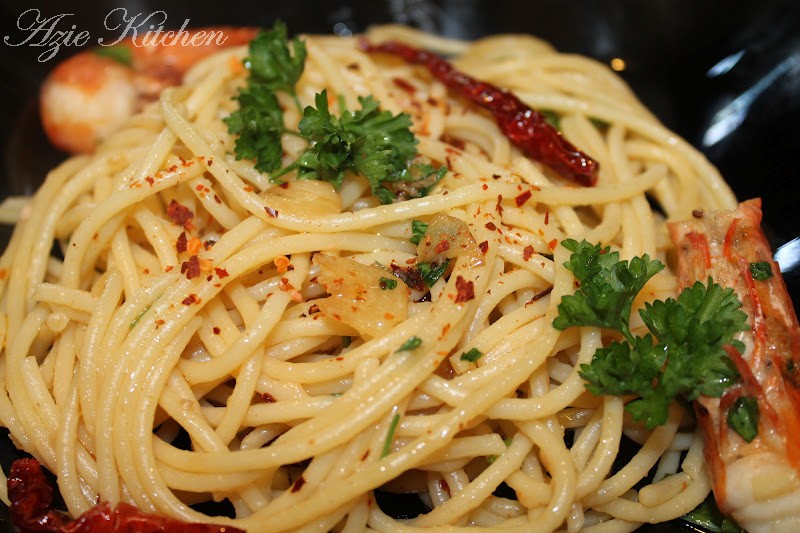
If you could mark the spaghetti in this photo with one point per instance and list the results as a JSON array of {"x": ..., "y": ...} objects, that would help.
[{"x": 208, "y": 335}]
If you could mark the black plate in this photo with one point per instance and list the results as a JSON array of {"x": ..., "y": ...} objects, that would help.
[{"x": 723, "y": 74}]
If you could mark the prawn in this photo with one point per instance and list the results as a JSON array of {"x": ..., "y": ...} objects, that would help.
[
  {"x": 756, "y": 482},
  {"x": 92, "y": 93}
]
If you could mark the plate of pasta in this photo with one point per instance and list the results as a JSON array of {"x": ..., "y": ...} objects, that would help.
[{"x": 399, "y": 271}]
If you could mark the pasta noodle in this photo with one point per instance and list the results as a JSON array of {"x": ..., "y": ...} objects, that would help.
[{"x": 133, "y": 381}]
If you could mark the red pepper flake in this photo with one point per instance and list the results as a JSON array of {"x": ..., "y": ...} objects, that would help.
[
  {"x": 298, "y": 484},
  {"x": 216, "y": 330},
  {"x": 442, "y": 246},
  {"x": 180, "y": 214},
  {"x": 284, "y": 185},
  {"x": 313, "y": 309},
  {"x": 191, "y": 299},
  {"x": 199, "y": 187},
  {"x": 216, "y": 199},
  {"x": 496, "y": 176},
  {"x": 466, "y": 290},
  {"x": 168, "y": 268},
  {"x": 403, "y": 84},
  {"x": 490, "y": 226},
  {"x": 248, "y": 188},
  {"x": 498, "y": 207},
  {"x": 271, "y": 213},
  {"x": 181, "y": 244},
  {"x": 364, "y": 457},
  {"x": 522, "y": 198},
  {"x": 159, "y": 322},
  {"x": 150, "y": 180},
  {"x": 484, "y": 247},
  {"x": 209, "y": 243},
  {"x": 353, "y": 66},
  {"x": 547, "y": 217},
  {"x": 221, "y": 272},
  {"x": 191, "y": 267},
  {"x": 527, "y": 252},
  {"x": 552, "y": 244}
]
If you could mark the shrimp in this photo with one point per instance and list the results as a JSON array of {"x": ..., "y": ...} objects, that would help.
[
  {"x": 756, "y": 482},
  {"x": 92, "y": 93}
]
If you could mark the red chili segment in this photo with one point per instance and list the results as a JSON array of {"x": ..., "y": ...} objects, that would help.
[
  {"x": 31, "y": 498},
  {"x": 526, "y": 128}
]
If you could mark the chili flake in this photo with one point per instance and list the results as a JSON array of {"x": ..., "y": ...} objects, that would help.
[{"x": 466, "y": 290}]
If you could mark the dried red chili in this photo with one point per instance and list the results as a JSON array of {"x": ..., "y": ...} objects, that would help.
[
  {"x": 31, "y": 497},
  {"x": 525, "y": 127}
]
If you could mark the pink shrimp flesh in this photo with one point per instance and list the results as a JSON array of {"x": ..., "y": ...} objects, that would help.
[
  {"x": 756, "y": 482},
  {"x": 89, "y": 95}
]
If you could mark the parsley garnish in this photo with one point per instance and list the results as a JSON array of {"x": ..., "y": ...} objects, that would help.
[
  {"x": 682, "y": 356},
  {"x": 367, "y": 141},
  {"x": 761, "y": 270},
  {"x": 473, "y": 355},
  {"x": 411, "y": 344},
  {"x": 387, "y": 284},
  {"x": 418, "y": 229},
  {"x": 743, "y": 417},
  {"x": 258, "y": 122}
]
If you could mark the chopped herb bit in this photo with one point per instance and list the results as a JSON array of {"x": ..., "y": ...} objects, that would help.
[
  {"x": 411, "y": 344},
  {"x": 551, "y": 117},
  {"x": 681, "y": 356},
  {"x": 387, "y": 444},
  {"x": 387, "y": 283},
  {"x": 761, "y": 270},
  {"x": 492, "y": 458},
  {"x": 119, "y": 52},
  {"x": 743, "y": 417},
  {"x": 139, "y": 317},
  {"x": 708, "y": 516},
  {"x": 418, "y": 229},
  {"x": 431, "y": 272},
  {"x": 472, "y": 355}
]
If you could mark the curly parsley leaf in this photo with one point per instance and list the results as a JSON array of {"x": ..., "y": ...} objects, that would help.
[
  {"x": 683, "y": 354},
  {"x": 258, "y": 123},
  {"x": 272, "y": 63},
  {"x": 368, "y": 141},
  {"x": 608, "y": 287}
]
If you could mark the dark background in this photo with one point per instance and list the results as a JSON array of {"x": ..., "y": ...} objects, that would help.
[{"x": 723, "y": 74}]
